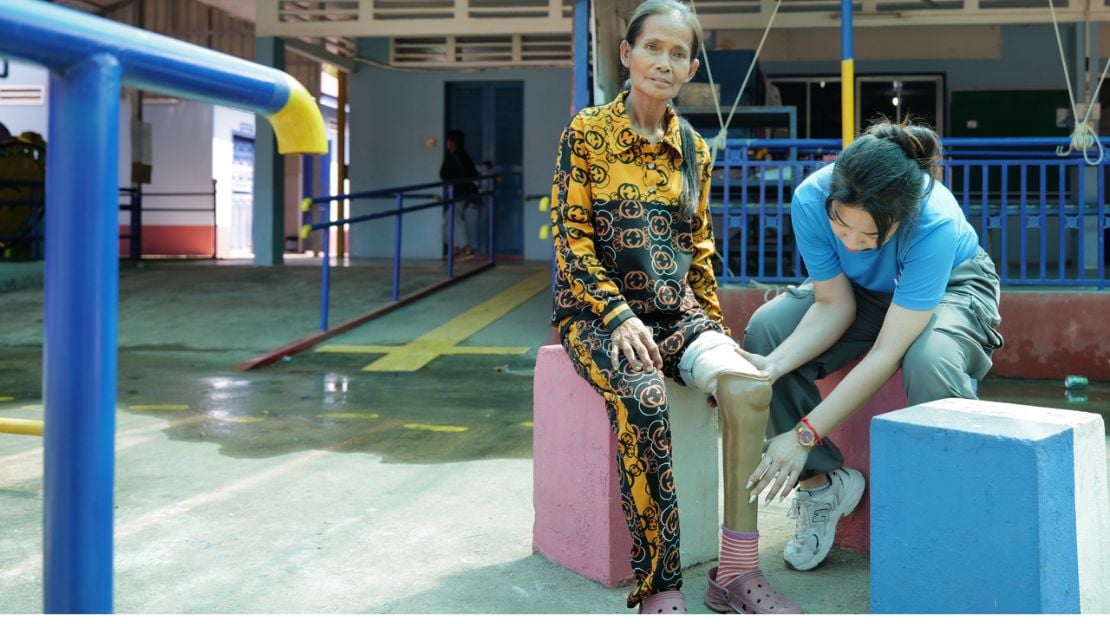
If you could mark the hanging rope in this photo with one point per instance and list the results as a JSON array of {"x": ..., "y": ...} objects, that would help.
[
  {"x": 718, "y": 142},
  {"x": 1083, "y": 137}
]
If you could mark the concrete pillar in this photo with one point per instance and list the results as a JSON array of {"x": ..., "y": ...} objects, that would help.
[
  {"x": 982, "y": 507},
  {"x": 268, "y": 226}
]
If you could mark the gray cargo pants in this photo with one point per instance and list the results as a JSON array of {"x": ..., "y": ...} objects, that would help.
[{"x": 954, "y": 347}]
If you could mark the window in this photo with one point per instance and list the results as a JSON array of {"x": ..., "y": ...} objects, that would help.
[{"x": 817, "y": 99}]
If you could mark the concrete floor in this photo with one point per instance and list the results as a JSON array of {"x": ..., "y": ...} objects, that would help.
[{"x": 312, "y": 486}]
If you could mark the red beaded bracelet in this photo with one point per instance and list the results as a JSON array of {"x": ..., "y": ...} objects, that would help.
[{"x": 815, "y": 434}]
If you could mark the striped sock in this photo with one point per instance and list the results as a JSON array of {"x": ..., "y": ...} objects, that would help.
[{"x": 739, "y": 554}]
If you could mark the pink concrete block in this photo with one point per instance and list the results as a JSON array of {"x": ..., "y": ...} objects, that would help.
[
  {"x": 579, "y": 523},
  {"x": 854, "y": 440}
]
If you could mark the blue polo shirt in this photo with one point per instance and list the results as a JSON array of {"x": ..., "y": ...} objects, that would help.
[{"x": 914, "y": 265}]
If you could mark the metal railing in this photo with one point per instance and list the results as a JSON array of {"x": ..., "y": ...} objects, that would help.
[
  {"x": 399, "y": 195},
  {"x": 90, "y": 59},
  {"x": 1042, "y": 217},
  {"x": 33, "y": 235},
  {"x": 137, "y": 206}
]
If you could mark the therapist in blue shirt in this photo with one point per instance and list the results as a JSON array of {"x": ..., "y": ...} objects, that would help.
[{"x": 896, "y": 271}]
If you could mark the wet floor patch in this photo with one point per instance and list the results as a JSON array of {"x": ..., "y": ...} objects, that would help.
[
  {"x": 1094, "y": 398},
  {"x": 464, "y": 407}
]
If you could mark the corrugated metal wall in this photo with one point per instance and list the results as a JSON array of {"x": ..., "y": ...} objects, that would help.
[{"x": 208, "y": 27}]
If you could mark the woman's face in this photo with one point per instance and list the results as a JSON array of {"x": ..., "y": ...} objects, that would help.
[
  {"x": 659, "y": 61},
  {"x": 855, "y": 228}
]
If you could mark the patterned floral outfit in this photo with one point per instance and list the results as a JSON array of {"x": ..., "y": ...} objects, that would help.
[{"x": 624, "y": 247}]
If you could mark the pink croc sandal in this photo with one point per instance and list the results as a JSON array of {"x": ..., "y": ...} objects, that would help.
[
  {"x": 670, "y": 602},
  {"x": 747, "y": 593}
]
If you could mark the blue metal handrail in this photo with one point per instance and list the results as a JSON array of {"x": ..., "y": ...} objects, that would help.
[
  {"x": 1028, "y": 205},
  {"x": 399, "y": 193},
  {"x": 90, "y": 59}
]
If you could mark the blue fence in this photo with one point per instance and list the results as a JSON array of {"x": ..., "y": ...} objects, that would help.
[{"x": 1042, "y": 217}]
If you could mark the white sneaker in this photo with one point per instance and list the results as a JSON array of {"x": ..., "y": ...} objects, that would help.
[{"x": 817, "y": 518}]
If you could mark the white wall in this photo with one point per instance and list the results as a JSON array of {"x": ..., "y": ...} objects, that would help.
[
  {"x": 394, "y": 112},
  {"x": 23, "y": 118},
  {"x": 181, "y": 153}
]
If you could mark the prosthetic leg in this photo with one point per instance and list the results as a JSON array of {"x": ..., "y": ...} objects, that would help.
[{"x": 744, "y": 401}]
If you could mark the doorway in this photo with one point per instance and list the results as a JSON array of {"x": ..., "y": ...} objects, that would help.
[
  {"x": 491, "y": 115},
  {"x": 242, "y": 196}
]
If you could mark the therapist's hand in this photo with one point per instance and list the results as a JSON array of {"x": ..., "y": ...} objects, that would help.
[
  {"x": 762, "y": 362},
  {"x": 778, "y": 470}
]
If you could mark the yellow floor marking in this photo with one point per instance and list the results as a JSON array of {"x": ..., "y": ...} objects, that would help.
[
  {"x": 351, "y": 348},
  {"x": 444, "y": 340},
  {"x": 5, "y": 399},
  {"x": 239, "y": 420},
  {"x": 159, "y": 408},
  {"x": 526, "y": 423},
  {"x": 439, "y": 428},
  {"x": 375, "y": 349},
  {"x": 488, "y": 350},
  {"x": 352, "y": 415}
]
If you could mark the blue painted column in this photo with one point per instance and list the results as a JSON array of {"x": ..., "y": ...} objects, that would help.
[
  {"x": 268, "y": 226},
  {"x": 79, "y": 360},
  {"x": 581, "y": 55}
]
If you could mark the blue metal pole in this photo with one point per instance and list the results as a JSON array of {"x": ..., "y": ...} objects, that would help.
[
  {"x": 726, "y": 214},
  {"x": 1080, "y": 220},
  {"x": 1044, "y": 221},
  {"x": 397, "y": 248},
  {"x": 79, "y": 361},
  {"x": 1100, "y": 215},
  {"x": 491, "y": 201},
  {"x": 325, "y": 283},
  {"x": 450, "y": 230},
  {"x": 136, "y": 240},
  {"x": 1023, "y": 220},
  {"x": 1003, "y": 220}
]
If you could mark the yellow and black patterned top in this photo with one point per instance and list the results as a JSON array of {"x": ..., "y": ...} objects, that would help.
[{"x": 623, "y": 245}]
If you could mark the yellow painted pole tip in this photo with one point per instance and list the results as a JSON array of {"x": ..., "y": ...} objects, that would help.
[
  {"x": 306, "y": 204},
  {"x": 545, "y": 231},
  {"x": 299, "y": 126},
  {"x": 545, "y": 203},
  {"x": 305, "y": 231}
]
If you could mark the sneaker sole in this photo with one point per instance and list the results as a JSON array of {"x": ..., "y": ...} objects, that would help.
[{"x": 824, "y": 551}]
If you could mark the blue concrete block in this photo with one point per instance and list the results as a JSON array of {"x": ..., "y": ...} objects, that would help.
[{"x": 973, "y": 509}]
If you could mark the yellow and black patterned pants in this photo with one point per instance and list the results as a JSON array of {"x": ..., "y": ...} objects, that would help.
[{"x": 637, "y": 406}]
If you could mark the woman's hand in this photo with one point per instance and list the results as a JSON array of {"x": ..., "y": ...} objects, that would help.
[
  {"x": 780, "y": 467},
  {"x": 634, "y": 340}
]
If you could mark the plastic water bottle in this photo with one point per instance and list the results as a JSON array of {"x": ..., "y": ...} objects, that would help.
[{"x": 1075, "y": 382}]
